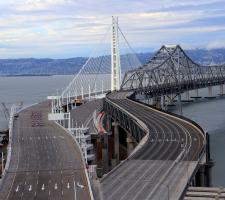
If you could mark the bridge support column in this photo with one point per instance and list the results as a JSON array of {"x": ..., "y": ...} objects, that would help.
[
  {"x": 187, "y": 95},
  {"x": 163, "y": 102},
  {"x": 221, "y": 90},
  {"x": 166, "y": 101},
  {"x": 116, "y": 141},
  {"x": 210, "y": 91},
  {"x": 108, "y": 123},
  {"x": 179, "y": 104},
  {"x": 202, "y": 176},
  {"x": 156, "y": 101},
  {"x": 130, "y": 144},
  {"x": 105, "y": 153},
  {"x": 196, "y": 93}
]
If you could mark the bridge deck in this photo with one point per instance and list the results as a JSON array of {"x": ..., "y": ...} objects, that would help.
[
  {"x": 83, "y": 114},
  {"x": 152, "y": 173},
  {"x": 204, "y": 193},
  {"x": 45, "y": 163}
]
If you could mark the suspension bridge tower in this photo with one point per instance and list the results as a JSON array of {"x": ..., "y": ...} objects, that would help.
[{"x": 115, "y": 56}]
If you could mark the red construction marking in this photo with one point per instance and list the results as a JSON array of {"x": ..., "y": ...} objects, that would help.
[{"x": 100, "y": 128}]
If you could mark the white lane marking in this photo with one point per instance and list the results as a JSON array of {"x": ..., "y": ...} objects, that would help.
[
  {"x": 46, "y": 137},
  {"x": 39, "y": 138},
  {"x": 30, "y": 188},
  {"x": 68, "y": 185},
  {"x": 49, "y": 192},
  {"x": 43, "y": 187},
  {"x": 30, "y": 138},
  {"x": 54, "y": 137},
  {"x": 56, "y": 187},
  {"x": 75, "y": 190},
  {"x": 61, "y": 137},
  {"x": 17, "y": 188},
  {"x": 80, "y": 185},
  {"x": 167, "y": 140}
]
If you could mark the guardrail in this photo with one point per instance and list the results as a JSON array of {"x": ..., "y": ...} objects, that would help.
[
  {"x": 9, "y": 148},
  {"x": 83, "y": 160}
]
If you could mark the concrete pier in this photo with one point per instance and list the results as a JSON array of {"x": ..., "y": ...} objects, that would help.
[
  {"x": 116, "y": 141},
  {"x": 105, "y": 154},
  {"x": 221, "y": 90},
  {"x": 179, "y": 104},
  {"x": 210, "y": 96},
  {"x": 130, "y": 144},
  {"x": 196, "y": 96}
]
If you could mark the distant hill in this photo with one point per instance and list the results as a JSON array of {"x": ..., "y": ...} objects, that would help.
[{"x": 31, "y": 66}]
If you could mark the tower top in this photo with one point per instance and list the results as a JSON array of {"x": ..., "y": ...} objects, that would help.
[{"x": 115, "y": 56}]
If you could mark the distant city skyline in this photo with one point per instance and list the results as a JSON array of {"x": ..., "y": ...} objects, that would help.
[{"x": 72, "y": 28}]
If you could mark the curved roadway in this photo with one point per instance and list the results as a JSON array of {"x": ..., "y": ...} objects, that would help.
[
  {"x": 161, "y": 168},
  {"x": 46, "y": 163}
]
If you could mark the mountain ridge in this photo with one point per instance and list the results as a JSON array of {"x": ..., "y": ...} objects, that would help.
[{"x": 48, "y": 66}]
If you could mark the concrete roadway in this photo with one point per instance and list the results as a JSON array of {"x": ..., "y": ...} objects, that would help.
[
  {"x": 46, "y": 163},
  {"x": 152, "y": 173},
  {"x": 83, "y": 115}
]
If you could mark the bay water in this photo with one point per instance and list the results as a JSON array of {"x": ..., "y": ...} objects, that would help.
[{"x": 208, "y": 113}]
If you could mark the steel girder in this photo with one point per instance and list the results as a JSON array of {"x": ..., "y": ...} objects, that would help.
[
  {"x": 126, "y": 122},
  {"x": 171, "y": 68}
]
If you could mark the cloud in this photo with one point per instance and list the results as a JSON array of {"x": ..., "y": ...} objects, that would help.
[
  {"x": 61, "y": 28},
  {"x": 216, "y": 44}
]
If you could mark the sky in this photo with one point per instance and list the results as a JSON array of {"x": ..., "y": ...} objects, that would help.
[{"x": 71, "y": 28}]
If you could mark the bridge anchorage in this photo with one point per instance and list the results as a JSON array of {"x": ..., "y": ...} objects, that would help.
[{"x": 127, "y": 136}]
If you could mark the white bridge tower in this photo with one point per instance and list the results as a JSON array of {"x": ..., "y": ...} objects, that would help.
[{"x": 115, "y": 56}]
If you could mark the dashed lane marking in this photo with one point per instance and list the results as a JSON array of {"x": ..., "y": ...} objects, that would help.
[
  {"x": 43, "y": 187},
  {"x": 17, "y": 189}
]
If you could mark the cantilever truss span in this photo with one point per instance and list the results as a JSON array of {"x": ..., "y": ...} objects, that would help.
[{"x": 171, "y": 70}]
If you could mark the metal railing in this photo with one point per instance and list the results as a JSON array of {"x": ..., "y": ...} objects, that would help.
[{"x": 9, "y": 148}]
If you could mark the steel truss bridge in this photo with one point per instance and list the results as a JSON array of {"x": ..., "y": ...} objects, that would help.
[
  {"x": 172, "y": 71},
  {"x": 171, "y": 148}
]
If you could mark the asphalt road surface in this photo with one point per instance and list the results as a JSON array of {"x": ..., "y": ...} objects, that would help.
[
  {"x": 162, "y": 167},
  {"x": 46, "y": 163}
]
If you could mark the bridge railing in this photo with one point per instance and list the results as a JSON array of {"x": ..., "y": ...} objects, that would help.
[{"x": 9, "y": 147}]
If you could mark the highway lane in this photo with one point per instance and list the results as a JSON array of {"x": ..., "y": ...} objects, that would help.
[
  {"x": 45, "y": 162},
  {"x": 83, "y": 114},
  {"x": 143, "y": 174}
]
